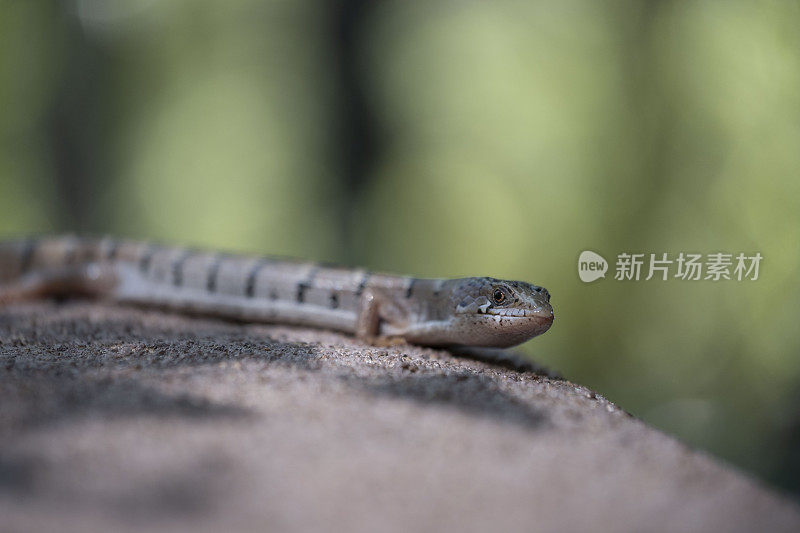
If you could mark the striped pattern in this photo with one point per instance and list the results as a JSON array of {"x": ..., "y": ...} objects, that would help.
[{"x": 196, "y": 280}]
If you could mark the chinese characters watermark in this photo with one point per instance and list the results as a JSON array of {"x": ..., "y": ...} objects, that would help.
[{"x": 684, "y": 266}]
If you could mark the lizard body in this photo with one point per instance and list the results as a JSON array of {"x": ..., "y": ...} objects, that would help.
[{"x": 374, "y": 307}]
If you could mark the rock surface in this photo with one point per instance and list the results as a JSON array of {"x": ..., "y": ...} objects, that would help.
[{"x": 126, "y": 420}]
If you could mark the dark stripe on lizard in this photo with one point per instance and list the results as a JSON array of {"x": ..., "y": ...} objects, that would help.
[
  {"x": 212, "y": 273},
  {"x": 26, "y": 257},
  {"x": 250, "y": 285},
  {"x": 303, "y": 285},
  {"x": 410, "y": 289},
  {"x": 363, "y": 283},
  {"x": 113, "y": 249},
  {"x": 177, "y": 267},
  {"x": 147, "y": 257}
]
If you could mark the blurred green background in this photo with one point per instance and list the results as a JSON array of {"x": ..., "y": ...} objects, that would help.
[{"x": 446, "y": 138}]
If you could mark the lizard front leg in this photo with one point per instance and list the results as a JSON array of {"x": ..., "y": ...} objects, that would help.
[{"x": 373, "y": 307}]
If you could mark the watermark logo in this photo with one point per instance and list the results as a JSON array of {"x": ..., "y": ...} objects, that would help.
[
  {"x": 716, "y": 266},
  {"x": 591, "y": 266}
]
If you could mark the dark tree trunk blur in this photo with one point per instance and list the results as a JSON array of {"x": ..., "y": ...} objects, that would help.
[
  {"x": 356, "y": 129},
  {"x": 78, "y": 144}
]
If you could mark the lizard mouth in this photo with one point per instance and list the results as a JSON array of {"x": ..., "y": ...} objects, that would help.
[{"x": 518, "y": 313}]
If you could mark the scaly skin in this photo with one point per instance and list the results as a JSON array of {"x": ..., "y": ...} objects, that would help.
[{"x": 377, "y": 308}]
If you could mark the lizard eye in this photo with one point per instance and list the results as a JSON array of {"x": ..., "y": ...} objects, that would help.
[{"x": 498, "y": 296}]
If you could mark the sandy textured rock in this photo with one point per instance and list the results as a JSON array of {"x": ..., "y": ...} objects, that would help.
[{"x": 127, "y": 419}]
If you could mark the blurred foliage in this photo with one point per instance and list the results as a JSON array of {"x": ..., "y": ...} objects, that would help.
[{"x": 511, "y": 136}]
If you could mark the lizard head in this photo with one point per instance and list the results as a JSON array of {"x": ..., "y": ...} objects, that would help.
[{"x": 499, "y": 313}]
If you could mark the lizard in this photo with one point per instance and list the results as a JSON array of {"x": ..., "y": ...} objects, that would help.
[{"x": 376, "y": 308}]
